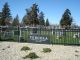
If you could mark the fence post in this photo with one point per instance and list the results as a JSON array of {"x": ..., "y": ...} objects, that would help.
[
  {"x": 18, "y": 33},
  {"x": 64, "y": 31}
]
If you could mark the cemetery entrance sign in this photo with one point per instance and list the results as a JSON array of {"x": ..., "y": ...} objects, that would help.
[{"x": 36, "y": 37}]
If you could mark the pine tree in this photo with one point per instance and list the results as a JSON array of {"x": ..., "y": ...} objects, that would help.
[
  {"x": 47, "y": 22},
  {"x": 16, "y": 21},
  {"x": 5, "y": 14},
  {"x": 34, "y": 14},
  {"x": 66, "y": 19},
  {"x": 27, "y": 18},
  {"x": 41, "y": 19},
  {"x": 8, "y": 21},
  {"x": 0, "y": 18},
  {"x": 0, "y": 15}
]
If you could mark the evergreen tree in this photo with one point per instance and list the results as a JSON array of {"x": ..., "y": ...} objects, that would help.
[
  {"x": 0, "y": 18},
  {"x": 0, "y": 15},
  {"x": 32, "y": 17},
  {"x": 5, "y": 14},
  {"x": 47, "y": 22},
  {"x": 41, "y": 19},
  {"x": 34, "y": 14},
  {"x": 66, "y": 19},
  {"x": 16, "y": 21},
  {"x": 24, "y": 22},
  {"x": 27, "y": 18},
  {"x": 8, "y": 21}
]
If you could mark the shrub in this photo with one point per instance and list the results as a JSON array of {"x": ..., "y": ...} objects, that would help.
[
  {"x": 31, "y": 55},
  {"x": 45, "y": 50},
  {"x": 76, "y": 51},
  {"x": 3, "y": 49},
  {"x": 22, "y": 39},
  {"x": 25, "y": 48}
]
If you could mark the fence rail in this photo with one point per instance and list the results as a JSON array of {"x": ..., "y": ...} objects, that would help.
[{"x": 54, "y": 36}]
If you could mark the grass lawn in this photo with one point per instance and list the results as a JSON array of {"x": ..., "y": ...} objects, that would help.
[{"x": 68, "y": 39}]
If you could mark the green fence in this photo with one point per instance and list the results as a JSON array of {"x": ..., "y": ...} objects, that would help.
[{"x": 55, "y": 36}]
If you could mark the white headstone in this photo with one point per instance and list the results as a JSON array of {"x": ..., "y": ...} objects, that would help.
[{"x": 77, "y": 35}]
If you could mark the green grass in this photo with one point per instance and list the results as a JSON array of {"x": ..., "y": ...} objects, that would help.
[
  {"x": 46, "y": 50},
  {"x": 68, "y": 39},
  {"x": 31, "y": 55},
  {"x": 24, "y": 48},
  {"x": 52, "y": 38}
]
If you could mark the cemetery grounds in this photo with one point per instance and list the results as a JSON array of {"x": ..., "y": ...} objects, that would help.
[{"x": 55, "y": 37}]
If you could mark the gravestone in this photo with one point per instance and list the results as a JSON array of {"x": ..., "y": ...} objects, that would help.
[{"x": 77, "y": 35}]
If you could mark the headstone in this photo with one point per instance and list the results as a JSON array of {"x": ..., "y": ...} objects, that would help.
[{"x": 77, "y": 35}]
